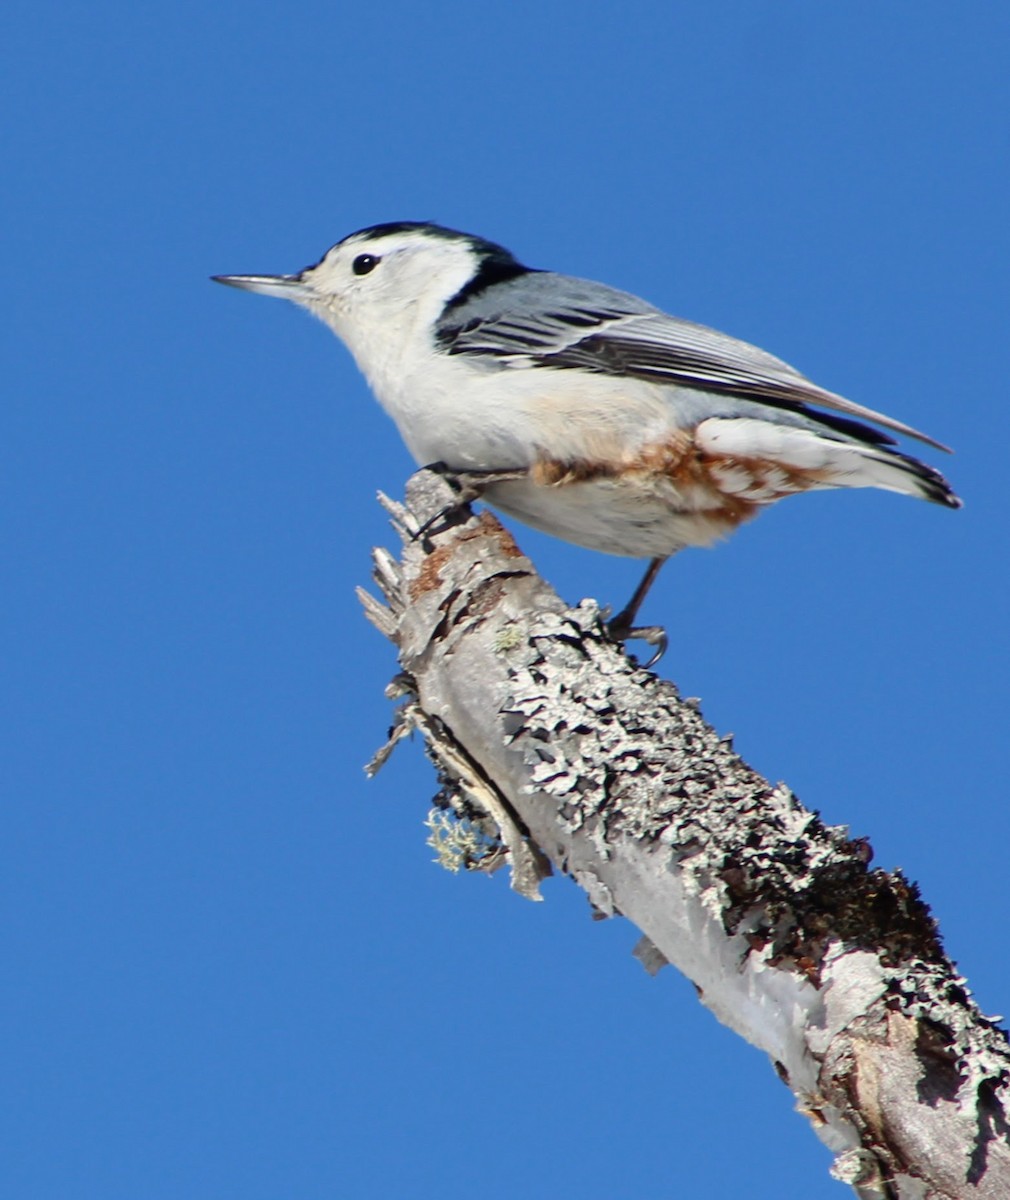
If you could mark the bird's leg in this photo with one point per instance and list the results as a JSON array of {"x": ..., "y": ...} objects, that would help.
[
  {"x": 621, "y": 627},
  {"x": 468, "y": 486}
]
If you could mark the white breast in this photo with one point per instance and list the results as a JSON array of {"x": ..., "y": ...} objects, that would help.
[{"x": 476, "y": 418}]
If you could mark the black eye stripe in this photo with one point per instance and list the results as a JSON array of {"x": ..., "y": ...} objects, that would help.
[{"x": 364, "y": 263}]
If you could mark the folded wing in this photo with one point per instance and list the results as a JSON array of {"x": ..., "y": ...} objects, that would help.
[{"x": 557, "y": 322}]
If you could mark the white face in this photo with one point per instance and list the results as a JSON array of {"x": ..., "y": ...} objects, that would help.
[
  {"x": 369, "y": 289},
  {"x": 379, "y": 292}
]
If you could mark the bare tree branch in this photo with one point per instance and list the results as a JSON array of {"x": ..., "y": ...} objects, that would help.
[{"x": 553, "y": 747}]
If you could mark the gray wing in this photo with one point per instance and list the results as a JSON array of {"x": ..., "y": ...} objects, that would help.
[{"x": 545, "y": 320}]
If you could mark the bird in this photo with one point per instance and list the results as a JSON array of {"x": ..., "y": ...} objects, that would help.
[{"x": 582, "y": 410}]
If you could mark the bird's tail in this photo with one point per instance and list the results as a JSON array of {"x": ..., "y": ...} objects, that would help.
[
  {"x": 864, "y": 466},
  {"x": 777, "y": 459}
]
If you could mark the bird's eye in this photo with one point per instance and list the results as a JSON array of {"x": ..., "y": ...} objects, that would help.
[{"x": 364, "y": 263}]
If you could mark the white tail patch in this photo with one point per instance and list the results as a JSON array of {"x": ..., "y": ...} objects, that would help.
[
  {"x": 822, "y": 462},
  {"x": 745, "y": 437}
]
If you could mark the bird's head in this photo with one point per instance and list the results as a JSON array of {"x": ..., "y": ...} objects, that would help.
[{"x": 388, "y": 281}]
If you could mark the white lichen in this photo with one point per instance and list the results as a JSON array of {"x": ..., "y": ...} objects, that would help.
[{"x": 460, "y": 845}]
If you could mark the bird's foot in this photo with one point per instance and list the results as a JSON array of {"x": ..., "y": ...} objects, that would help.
[
  {"x": 468, "y": 486},
  {"x": 620, "y": 629}
]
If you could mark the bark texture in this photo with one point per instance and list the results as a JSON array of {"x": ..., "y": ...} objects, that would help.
[{"x": 553, "y": 748}]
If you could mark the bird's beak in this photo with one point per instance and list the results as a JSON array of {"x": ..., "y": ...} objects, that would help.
[{"x": 287, "y": 287}]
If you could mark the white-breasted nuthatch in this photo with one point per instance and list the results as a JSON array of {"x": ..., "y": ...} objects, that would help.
[{"x": 584, "y": 411}]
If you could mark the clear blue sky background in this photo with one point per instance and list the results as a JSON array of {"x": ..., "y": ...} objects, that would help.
[{"x": 232, "y": 969}]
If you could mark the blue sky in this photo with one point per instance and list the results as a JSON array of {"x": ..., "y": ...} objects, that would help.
[{"x": 233, "y": 970}]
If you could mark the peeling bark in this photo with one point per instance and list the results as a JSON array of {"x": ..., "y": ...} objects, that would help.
[{"x": 553, "y": 747}]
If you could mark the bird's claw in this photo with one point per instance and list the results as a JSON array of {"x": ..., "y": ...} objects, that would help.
[
  {"x": 620, "y": 630},
  {"x": 468, "y": 486}
]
